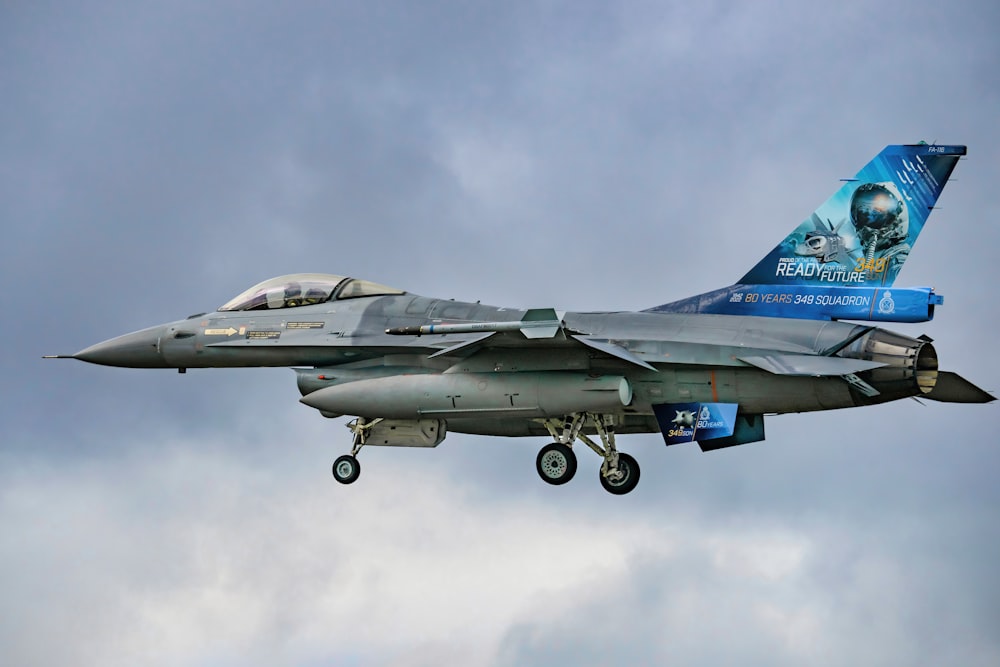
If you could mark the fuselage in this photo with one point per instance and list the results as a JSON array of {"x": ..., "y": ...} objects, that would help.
[{"x": 687, "y": 357}]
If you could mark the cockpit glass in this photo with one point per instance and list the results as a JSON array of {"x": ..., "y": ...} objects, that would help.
[
  {"x": 356, "y": 288},
  {"x": 304, "y": 289},
  {"x": 300, "y": 289}
]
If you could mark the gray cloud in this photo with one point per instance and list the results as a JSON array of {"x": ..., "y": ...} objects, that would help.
[{"x": 155, "y": 161}]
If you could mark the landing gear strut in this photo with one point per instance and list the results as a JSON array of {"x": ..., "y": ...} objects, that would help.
[
  {"x": 624, "y": 479},
  {"x": 347, "y": 468},
  {"x": 556, "y": 463}
]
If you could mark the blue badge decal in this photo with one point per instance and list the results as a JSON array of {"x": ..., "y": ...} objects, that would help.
[{"x": 686, "y": 422}]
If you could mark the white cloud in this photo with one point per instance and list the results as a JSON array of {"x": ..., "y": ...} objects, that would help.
[
  {"x": 178, "y": 553},
  {"x": 574, "y": 156}
]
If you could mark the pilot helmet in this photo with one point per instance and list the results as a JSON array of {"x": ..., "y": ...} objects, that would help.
[{"x": 879, "y": 215}]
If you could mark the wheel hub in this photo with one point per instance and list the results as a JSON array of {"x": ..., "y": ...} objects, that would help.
[{"x": 554, "y": 464}]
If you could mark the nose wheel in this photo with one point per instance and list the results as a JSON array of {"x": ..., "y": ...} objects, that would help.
[{"x": 346, "y": 469}]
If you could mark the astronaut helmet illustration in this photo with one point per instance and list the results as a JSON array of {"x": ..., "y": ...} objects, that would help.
[{"x": 879, "y": 214}]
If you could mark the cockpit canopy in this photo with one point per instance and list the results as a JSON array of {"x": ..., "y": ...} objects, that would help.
[{"x": 304, "y": 289}]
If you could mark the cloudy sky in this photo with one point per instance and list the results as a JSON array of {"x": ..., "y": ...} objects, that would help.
[{"x": 158, "y": 158}]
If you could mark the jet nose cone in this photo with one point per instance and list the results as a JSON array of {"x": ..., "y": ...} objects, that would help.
[{"x": 140, "y": 349}]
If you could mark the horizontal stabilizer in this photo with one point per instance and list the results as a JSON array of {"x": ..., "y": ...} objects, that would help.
[
  {"x": 809, "y": 365},
  {"x": 953, "y": 388}
]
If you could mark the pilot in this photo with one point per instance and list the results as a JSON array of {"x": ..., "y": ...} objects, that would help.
[
  {"x": 315, "y": 295},
  {"x": 293, "y": 295}
]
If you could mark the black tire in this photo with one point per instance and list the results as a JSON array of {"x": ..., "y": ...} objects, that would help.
[
  {"x": 556, "y": 463},
  {"x": 630, "y": 476},
  {"x": 346, "y": 469}
]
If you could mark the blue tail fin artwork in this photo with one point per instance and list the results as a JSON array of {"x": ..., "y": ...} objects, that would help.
[{"x": 842, "y": 261}]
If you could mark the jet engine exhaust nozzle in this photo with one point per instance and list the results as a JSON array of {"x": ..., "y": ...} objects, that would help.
[{"x": 911, "y": 364}]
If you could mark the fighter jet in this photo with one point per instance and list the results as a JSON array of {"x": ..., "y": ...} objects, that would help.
[{"x": 797, "y": 333}]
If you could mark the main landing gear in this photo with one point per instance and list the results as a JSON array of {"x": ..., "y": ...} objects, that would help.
[
  {"x": 347, "y": 468},
  {"x": 556, "y": 462}
]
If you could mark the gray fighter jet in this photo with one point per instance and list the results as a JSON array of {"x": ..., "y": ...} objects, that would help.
[{"x": 409, "y": 368}]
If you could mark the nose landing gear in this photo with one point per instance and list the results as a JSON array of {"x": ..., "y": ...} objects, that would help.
[{"x": 347, "y": 468}]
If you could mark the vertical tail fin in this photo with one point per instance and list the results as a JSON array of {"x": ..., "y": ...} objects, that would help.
[
  {"x": 840, "y": 262},
  {"x": 863, "y": 233}
]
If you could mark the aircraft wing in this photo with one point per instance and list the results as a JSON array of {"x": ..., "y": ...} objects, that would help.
[
  {"x": 599, "y": 344},
  {"x": 545, "y": 329}
]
